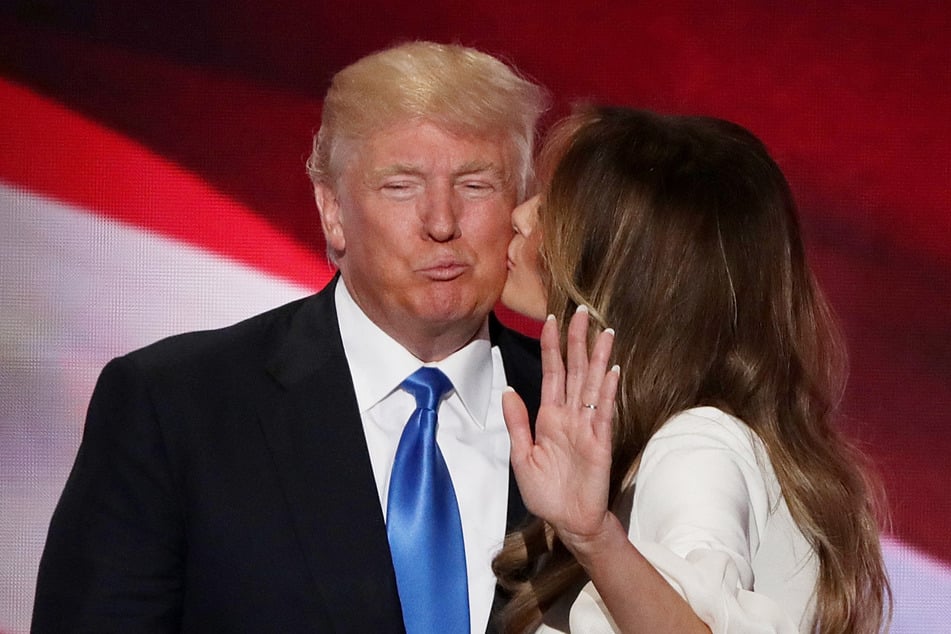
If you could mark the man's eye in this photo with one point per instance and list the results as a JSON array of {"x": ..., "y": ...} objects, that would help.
[
  {"x": 398, "y": 189},
  {"x": 477, "y": 188}
]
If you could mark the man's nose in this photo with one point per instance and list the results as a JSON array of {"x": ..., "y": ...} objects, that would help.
[{"x": 440, "y": 214}]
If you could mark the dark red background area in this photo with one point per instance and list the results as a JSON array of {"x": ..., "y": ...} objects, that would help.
[{"x": 854, "y": 102}]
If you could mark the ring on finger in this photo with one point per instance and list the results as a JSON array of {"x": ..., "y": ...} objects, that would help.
[{"x": 589, "y": 406}]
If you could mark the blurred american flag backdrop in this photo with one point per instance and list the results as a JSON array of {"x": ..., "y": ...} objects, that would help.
[{"x": 152, "y": 181}]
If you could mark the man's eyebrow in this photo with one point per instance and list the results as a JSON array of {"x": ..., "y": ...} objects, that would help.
[
  {"x": 480, "y": 167},
  {"x": 396, "y": 169},
  {"x": 468, "y": 168}
]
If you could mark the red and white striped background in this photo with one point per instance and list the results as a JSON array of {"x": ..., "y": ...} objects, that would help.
[{"x": 151, "y": 181}]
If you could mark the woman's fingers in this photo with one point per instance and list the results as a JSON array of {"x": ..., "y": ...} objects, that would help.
[
  {"x": 562, "y": 468},
  {"x": 516, "y": 420},
  {"x": 597, "y": 367},
  {"x": 601, "y": 424},
  {"x": 577, "y": 381},
  {"x": 553, "y": 369},
  {"x": 577, "y": 355}
]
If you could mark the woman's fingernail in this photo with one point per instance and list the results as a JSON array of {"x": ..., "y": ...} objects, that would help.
[
  {"x": 610, "y": 331},
  {"x": 550, "y": 317},
  {"x": 581, "y": 309},
  {"x": 616, "y": 368},
  {"x": 508, "y": 388}
]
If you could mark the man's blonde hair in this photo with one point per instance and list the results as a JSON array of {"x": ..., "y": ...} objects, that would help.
[{"x": 460, "y": 89}]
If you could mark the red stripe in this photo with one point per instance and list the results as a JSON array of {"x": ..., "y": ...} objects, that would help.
[{"x": 51, "y": 150}]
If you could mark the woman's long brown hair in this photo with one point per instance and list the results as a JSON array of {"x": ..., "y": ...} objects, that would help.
[{"x": 681, "y": 233}]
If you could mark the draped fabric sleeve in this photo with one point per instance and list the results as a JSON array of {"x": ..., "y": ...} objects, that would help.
[
  {"x": 702, "y": 500},
  {"x": 707, "y": 512}
]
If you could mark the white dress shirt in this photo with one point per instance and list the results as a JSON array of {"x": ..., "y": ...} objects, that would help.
[
  {"x": 471, "y": 432},
  {"x": 707, "y": 511}
]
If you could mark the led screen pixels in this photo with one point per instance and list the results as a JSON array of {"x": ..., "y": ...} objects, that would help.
[{"x": 152, "y": 181}]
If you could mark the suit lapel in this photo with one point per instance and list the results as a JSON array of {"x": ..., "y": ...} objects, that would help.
[{"x": 313, "y": 429}]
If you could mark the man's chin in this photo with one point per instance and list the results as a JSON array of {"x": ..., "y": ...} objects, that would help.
[{"x": 457, "y": 316}]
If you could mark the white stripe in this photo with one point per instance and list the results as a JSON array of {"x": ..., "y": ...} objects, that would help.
[{"x": 921, "y": 587}]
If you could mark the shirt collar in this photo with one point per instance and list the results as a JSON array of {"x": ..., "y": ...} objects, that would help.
[{"x": 367, "y": 346}]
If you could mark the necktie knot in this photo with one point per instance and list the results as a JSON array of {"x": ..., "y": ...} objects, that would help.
[{"x": 427, "y": 385}]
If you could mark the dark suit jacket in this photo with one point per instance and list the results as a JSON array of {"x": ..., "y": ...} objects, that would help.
[{"x": 223, "y": 484}]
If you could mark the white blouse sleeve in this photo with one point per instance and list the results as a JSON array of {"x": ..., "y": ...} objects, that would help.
[
  {"x": 700, "y": 507},
  {"x": 707, "y": 512}
]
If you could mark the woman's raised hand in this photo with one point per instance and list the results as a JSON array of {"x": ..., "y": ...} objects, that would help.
[{"x": 563, "y": 472}]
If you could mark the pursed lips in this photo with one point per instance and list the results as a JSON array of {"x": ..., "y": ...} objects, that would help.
[{"x": 444, "y": 269}]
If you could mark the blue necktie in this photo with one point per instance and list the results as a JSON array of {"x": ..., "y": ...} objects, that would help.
[{"x": 422, "y": 520}]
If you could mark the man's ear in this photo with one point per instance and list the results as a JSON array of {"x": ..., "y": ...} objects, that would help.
[{"x": 330, "y": 219}]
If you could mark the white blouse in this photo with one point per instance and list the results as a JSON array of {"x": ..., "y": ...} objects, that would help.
[{"x": 707, "y": 511}]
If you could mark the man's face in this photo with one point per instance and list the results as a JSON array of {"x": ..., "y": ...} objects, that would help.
[{"x": 420, "y": 220}]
